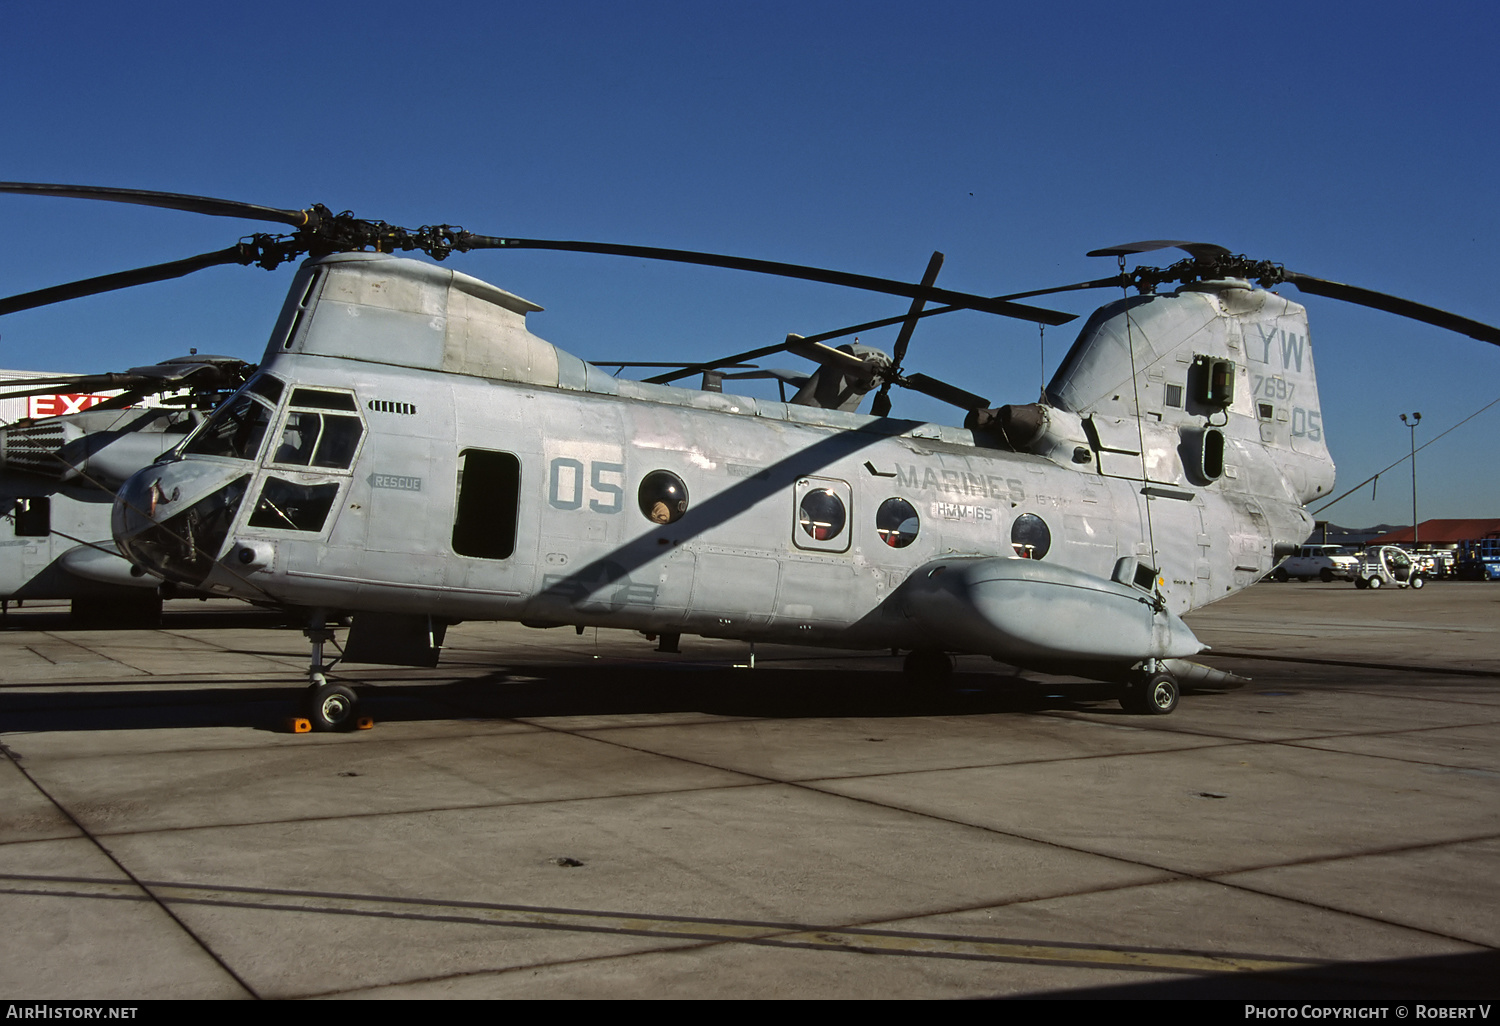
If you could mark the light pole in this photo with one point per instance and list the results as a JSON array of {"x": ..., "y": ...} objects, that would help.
[{"x": 1416, "y": 418}]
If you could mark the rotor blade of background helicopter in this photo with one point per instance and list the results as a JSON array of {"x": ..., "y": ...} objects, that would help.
[
  {"x": 941, "y": 390},
  {"x": 885, "y": 322},
  {"x": 119, "y": 280},
  {"x": 76, "y": 385},
  {"x": 888, "y": 286},
  {"x": 124, "y": 399},
  {"x": 1392, "y": 304},
  {"x": 687, "y": 370},
  {"x": 168, "y": 200},
  {"x": 880, "y": 406},
  {"x": 909, "y": 324}
]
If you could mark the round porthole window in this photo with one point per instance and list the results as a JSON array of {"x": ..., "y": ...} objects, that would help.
[
  {"x": 896, "y": 523},
  {"x": 1030, "y": 537},
  {"x": 663, "y": 497},
  {"x": 821, "y": 514}
]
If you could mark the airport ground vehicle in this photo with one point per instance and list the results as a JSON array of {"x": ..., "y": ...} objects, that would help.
[
  {"x": 1325, "y": 562},
  {"x": 1479, "y": 559},
  {"x": 1385, "y": 565}
]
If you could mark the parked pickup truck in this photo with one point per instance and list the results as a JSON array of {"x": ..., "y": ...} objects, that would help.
[{"x": 1321, "y": 561}]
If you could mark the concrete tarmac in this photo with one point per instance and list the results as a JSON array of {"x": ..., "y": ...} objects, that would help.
[{"x": 548, "y": 815}]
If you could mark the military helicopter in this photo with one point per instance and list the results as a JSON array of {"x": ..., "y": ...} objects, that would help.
[
  {"x": 410, "y": 453},
  {"x": 59, "y": 474}
]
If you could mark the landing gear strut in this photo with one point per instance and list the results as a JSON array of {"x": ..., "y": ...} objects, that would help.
[
  {"x": 928, "y": 669},
  {"x": 326, "y": 706}
]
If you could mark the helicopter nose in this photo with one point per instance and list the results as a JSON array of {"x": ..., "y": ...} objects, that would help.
[{"x": 171, "y": 519}]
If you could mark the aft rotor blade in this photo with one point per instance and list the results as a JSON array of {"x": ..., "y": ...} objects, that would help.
[
  {"x": 1392, "y": 304},
  {"x": 120, "y": 280},
  {"x": 167, "y": 200},
  {"x": 855, "y": 281}
]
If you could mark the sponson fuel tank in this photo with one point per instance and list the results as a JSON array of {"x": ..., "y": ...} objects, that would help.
[{"x": 1038, "y": 614}]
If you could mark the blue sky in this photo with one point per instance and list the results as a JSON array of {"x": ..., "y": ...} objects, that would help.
[{"x": 1356, "y": 143}]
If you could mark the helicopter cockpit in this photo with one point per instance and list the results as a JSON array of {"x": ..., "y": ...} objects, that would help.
[{"x": 319, "y": 436}]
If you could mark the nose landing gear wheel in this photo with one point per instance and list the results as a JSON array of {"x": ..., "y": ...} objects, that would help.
[
  {"x": 1154, "y": 695},
  {"x": 928, "y": 670},
  {"x": 330, "y": 707}
]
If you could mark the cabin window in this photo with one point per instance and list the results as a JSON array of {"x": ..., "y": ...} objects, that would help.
[
  {"x": 236, "y": 430},
  {"x": 33, "y": 517},
  {"x": 489, "y": 497},
  {"x": 821, "y": 515},
  {"x": 1213, "y": 454},
  {"x": 896, "y": 522},
  {"x": 290, "y": 506},
  {"x": 1030, "y": 536},
  {"x": 663, "y": 497}
]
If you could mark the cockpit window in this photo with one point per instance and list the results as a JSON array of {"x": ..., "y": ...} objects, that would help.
[
  {"x": 320, "y": 400},
  {"x": 236, "y": 429},
  {"x": 264, "y": 384},
  {"x": 322, "y": 440},
  {"x": 293, "y": 507}
]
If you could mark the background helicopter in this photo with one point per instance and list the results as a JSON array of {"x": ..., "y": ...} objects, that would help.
[
  {"x": 59, "y": 474},
  {"x": 410, "y": 453}
]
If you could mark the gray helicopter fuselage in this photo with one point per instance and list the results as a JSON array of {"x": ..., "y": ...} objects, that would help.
[
  {"x": 410, "y": 448},
  {"x": 58, "y": 477}
]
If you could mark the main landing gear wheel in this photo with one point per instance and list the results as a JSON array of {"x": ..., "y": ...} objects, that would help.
[
  {"x": 928, "y": 669},
  {"x": 330, "y": 707},
  {"x": 1153, "y": 695}
]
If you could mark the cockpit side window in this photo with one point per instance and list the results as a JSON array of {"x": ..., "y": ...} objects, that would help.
[
  {"x": 321, "y": 440},
  {"x": 315, "y": 438},
  {"x": 236, "y": 429}
]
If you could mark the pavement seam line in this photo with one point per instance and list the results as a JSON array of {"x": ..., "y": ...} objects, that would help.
[{"x": 16, "y": 762}]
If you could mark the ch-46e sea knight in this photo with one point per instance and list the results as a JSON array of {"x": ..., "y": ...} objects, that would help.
[
  {"x": 59, "y": 473},
  {"x": 410, "y": 454}
]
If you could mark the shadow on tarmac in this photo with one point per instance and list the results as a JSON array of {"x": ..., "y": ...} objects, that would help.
[
  {"x": 1438, "y": 979},
  {"x": 524, "y": 692}
]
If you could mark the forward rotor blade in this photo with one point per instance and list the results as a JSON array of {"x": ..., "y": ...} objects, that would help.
[
  {"x": 168, "y": 200},
  {"x": 866, "y": 282},
  {"x": 1196, "y": 250},
  {"x": 120, "y": 280},
  {"x": 1392, "y": 304}
]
